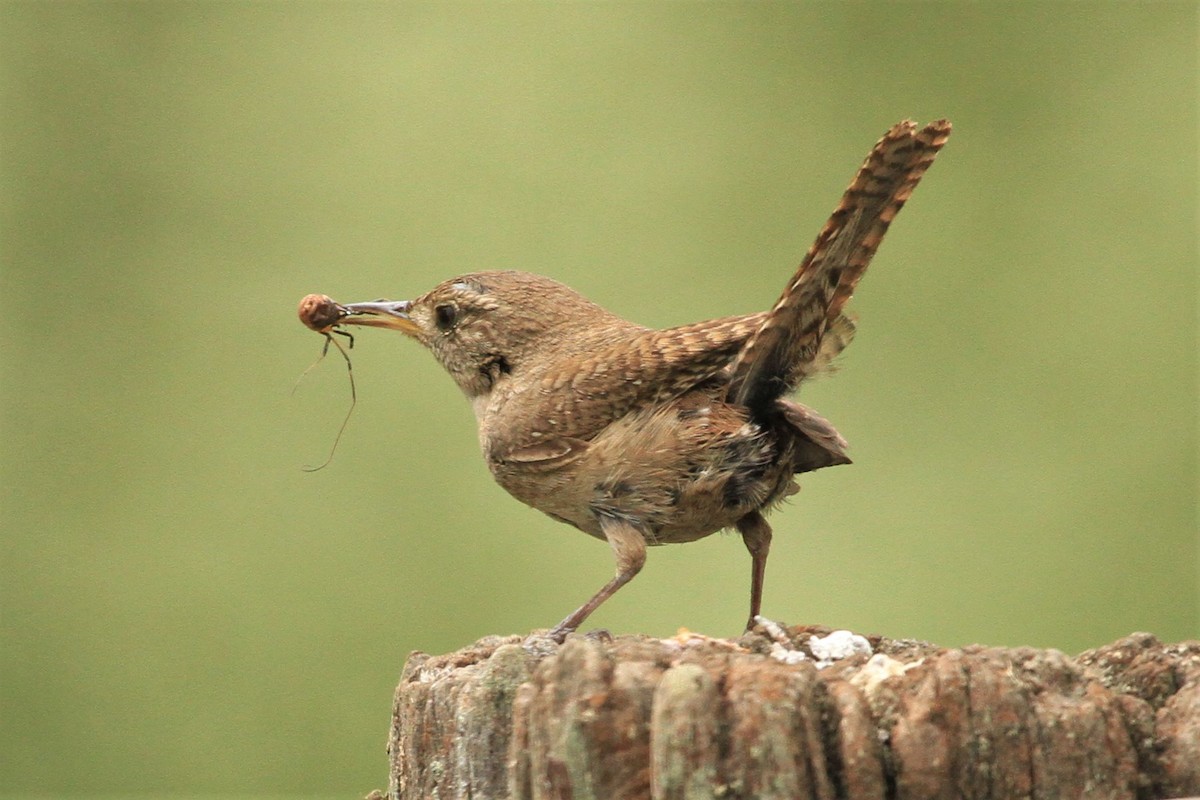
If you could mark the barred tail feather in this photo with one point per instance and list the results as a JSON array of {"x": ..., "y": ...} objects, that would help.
[{"x": 788, "y": 346}]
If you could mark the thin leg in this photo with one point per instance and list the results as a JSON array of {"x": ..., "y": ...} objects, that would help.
[
  {"x": 629, "y": 548},
  {"x": 756, "y": 533}
]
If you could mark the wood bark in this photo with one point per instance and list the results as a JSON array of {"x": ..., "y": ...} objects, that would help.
[{"x": 693, "y": 717}]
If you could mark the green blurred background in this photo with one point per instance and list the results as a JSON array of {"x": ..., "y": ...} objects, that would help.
[{"x": 184, "y": 610}]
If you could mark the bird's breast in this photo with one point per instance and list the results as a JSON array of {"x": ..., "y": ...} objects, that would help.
[{"x": 679, "y": 471}]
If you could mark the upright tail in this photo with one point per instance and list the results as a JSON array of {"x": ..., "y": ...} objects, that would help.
[{"x": 788, "y": 346}]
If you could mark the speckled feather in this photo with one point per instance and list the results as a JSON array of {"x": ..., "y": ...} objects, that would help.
[
  {"x": 626, "y": 369},
  {"x": 783, "y": 351}
]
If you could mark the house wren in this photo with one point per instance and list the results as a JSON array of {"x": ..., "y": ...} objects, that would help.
[{"x": 645, "y": 437}]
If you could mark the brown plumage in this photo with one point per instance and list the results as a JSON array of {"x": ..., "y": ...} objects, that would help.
[{"x": 642, "y": 436}]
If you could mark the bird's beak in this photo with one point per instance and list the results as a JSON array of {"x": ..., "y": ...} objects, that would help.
[{"x": 381, "y": 314}]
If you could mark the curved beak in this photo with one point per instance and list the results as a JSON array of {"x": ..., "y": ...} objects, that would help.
[{"x": 381, "y": 314}]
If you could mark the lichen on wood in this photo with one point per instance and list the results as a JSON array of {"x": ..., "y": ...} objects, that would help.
[{"x": 693, "y": 717}]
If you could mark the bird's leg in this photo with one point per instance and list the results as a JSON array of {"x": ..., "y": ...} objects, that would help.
[
  {"x": 756, "y": 533},
  {"x": 629, "y": 549}
]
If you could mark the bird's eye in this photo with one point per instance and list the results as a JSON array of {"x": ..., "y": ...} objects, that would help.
[{"x": 446, "y": 315}]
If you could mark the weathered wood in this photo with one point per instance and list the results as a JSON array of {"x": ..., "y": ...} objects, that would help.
[{"x": 692, "y": 717}]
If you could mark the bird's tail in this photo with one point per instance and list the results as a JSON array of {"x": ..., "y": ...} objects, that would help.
[{"x": 791, "y": 342}]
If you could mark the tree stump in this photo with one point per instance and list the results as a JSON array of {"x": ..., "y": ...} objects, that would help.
[{"x": 693, "y": 717}]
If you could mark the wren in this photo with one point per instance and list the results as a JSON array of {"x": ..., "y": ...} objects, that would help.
[{"x": 645, "y": 437}]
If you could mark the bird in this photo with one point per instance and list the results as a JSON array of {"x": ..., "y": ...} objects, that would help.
[{"x": 642, "y": 436}]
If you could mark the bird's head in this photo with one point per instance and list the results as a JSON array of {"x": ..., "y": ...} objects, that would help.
[{"x": 484, "y": 326}]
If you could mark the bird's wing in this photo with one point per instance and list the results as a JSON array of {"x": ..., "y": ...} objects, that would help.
[{"x": 639, "y": 366}]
